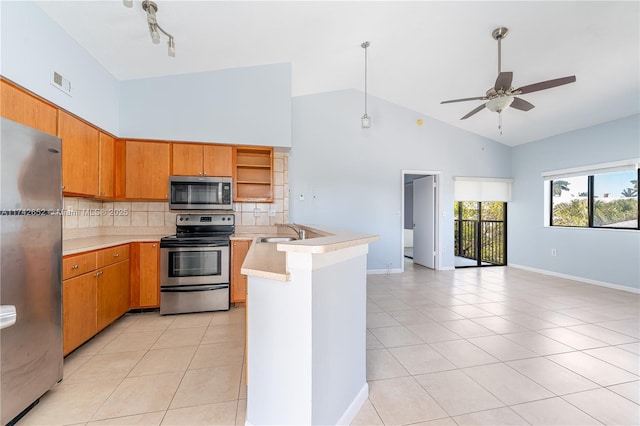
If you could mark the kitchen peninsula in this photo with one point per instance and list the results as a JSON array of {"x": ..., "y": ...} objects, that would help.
[{"x": 306, "y": 328}]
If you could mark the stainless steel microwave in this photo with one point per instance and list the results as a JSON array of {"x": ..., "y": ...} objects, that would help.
[{"x": 200, "y": 193}]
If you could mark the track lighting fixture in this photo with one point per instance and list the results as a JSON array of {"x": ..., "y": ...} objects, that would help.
[
  {"x": 365, "y": 120},
  {"x": 154, "y": 29}
]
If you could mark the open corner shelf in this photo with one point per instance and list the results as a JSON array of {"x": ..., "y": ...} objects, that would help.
[{"x": 253, "y": 174}]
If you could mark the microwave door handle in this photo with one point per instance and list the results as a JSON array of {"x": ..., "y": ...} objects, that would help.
[{"x": 220, "y": 193}]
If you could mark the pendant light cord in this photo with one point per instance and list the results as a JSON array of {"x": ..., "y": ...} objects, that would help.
[{"x": 365, "y": 45}]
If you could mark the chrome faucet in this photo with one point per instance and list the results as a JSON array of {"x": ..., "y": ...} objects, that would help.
[{"x": 302, "y": 233}]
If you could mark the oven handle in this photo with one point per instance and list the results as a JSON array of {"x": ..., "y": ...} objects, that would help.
[{"x": 190, "y": 288}]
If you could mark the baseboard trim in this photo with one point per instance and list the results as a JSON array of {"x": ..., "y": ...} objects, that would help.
[
  {"x": 354, "y": 408},
  {"x": 383, "y": 271},
  {"x": 576, "y": 278}
]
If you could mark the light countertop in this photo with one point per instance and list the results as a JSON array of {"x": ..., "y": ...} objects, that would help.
[
  {"x": 268, "y": 260},
  {"x": 79, "y": 245}
]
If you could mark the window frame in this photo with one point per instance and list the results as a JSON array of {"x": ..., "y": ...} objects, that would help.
[{"x": 591, "y": 204}]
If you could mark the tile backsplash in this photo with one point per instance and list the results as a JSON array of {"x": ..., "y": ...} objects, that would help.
[{"x": 87, "y": 218}]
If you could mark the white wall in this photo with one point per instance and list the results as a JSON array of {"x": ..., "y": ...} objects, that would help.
[
  {"x": 247, "y": 106},
  {"x": 32, "y": 46},
  {"x": 244, "y": 106},
  {"x": 609, "y": 256},
  {"x": 355, "y": 174}
]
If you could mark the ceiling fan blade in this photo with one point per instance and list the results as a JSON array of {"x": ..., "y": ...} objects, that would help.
[
  {"x": 480, "y": 108},
  {"x": 503, "y": 82},
  {"x": 479, "y": 98},
  {"x": 545, "y": 85},
  {"x": 521, "y": 104}
]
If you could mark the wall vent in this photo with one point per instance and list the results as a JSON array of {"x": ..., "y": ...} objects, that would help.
[{"x": 61, "y": 83}]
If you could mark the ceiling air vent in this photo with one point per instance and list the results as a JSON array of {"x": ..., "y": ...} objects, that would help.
[{"x": 61, "y": 83}]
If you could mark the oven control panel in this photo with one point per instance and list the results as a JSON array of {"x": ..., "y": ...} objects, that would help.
[{"x": 192, "y": 219}]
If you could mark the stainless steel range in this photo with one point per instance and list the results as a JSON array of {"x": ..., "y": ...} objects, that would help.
[{"x": 195, "y": 264}]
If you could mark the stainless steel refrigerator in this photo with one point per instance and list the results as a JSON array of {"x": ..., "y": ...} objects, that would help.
[{"x": 30, "y": 266}]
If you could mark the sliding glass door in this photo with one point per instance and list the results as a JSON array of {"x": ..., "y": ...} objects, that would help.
[{"x": 480, "y": 233}]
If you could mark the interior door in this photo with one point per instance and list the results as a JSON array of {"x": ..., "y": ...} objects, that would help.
[{"x": 424, "y": 221}]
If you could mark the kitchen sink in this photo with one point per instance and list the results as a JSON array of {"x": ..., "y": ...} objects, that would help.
[{"x": 276, "y": 239}]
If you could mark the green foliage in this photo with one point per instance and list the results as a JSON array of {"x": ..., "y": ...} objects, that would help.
[
  {"x": 576, "y": 212},
  {"x": 559, "y": 186},
  {"x": 633, "y": 191},
  {"x": 614, "y": 212},
  {"x": 573, "y": 213}
]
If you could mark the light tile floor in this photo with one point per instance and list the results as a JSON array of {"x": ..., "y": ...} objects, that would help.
[{"x": 490, "y": 346}]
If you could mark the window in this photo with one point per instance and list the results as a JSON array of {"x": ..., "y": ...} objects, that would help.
[
  {"x": 615, "y": 200},
  {"x": 569, "y": 202},
  {"x": 597, "y": 200}
]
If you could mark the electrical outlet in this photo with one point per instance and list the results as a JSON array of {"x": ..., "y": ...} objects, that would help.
[
  {"x": 256, "y": 212},
  {"x": 272, "y": 212},
  {"x": 554, "y": 252}
]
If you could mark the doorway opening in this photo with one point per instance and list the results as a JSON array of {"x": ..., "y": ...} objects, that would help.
[
  {"x": 420, "y": 233},
  {"x": 480, "y": 229}
]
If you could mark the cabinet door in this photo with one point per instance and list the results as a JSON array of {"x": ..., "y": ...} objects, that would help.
[
  {"x": 147, "y": 170},
  {"x": 80, "y": 144},
  {"x": 106, "y": 179},
  {"x": 187, "y": 159},
  {"x": 239, "y": 249},
  {"x": 145, "y": 283},
  {"x": 218, "y": 160},
  {"x": 112, "y": 293},
  {"x": 78, "y": 311},
  {"x": 23, "y": 108},
  {"x": 149, "y": 279}
]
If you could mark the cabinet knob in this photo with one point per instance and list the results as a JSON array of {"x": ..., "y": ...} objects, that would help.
[
  {"x": 101, "y": 193},
  {"x": 74, "y": 267},
  {"x": 98, "y": 273},
  {"x": 165, "y": 196},
  {"x": 205, "y": 173},
  {"x": 116, "y": 255},
  {"x": 154, "y": 245}
]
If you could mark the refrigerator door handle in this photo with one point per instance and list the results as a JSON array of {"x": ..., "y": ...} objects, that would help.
[{"x": 7, "y": 316}]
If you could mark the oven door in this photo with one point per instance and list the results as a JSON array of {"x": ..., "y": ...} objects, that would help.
[{"x": 185, "y": 266}]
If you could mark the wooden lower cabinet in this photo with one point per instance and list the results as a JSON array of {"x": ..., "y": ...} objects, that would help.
[
  {"x": 112, "y": 293},
  {"x": 145, "y": 282},
  {"x": 78, "y": 311},
  {"x": 95, "y": 292},
  {"x": 239, "y": 249}
]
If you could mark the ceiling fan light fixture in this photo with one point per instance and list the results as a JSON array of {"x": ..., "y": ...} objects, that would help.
[{"x": 499, "y": 104}]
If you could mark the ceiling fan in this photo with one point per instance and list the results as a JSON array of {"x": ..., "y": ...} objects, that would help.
[{"x": 502, "y": 95}]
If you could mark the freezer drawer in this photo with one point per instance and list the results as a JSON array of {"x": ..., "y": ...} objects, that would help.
[{"x": 197, "y": 298}]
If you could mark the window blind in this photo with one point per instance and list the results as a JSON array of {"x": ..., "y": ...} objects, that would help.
[
  {"x": 595, "y": 169},
  {"x": 482, "y": 189}
]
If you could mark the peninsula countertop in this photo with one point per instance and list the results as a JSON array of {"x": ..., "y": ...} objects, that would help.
[{"x": 268, "y": 260}]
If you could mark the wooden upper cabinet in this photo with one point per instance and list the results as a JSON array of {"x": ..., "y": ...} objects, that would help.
[
  {"x": 20, "y": 106},
  {"x": 201, "y": 160},
  {"x": 217, "y": 160},
  {"x": 187, "y": 159},
  {"x": 147, "y": 170},
  {"x": 106, "y": 178},
  {"x": 80, "y": 158}
]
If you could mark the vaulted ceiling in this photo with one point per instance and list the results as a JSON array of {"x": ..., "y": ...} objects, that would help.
[{"x": 421, "y": 53}]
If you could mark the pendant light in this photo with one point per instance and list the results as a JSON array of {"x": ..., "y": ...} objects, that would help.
[{"x": 365, "y": 120}]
